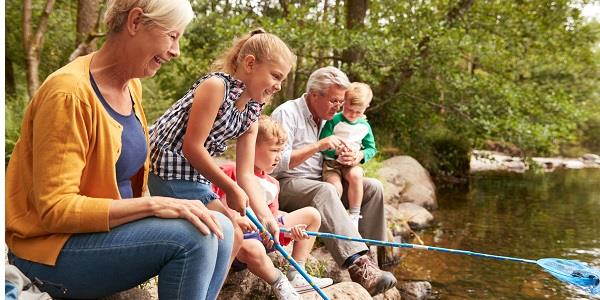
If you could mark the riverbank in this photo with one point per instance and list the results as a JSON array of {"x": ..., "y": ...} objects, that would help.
[{"x": 483, "y": 160}]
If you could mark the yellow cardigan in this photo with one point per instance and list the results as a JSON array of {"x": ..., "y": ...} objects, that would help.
[{"x": 61, "y": 176}]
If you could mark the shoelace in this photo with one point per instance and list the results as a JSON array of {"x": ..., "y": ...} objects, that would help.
[{"x": 367, "y": 276}]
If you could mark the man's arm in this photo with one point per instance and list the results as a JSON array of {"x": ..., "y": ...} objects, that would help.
[{"x": 291, "y": 158}]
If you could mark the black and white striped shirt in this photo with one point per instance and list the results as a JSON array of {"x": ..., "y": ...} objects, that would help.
[{"x": 166, "y": 134}]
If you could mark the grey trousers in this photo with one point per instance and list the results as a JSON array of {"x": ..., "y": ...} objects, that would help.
[{"x": 296, "y": 193}]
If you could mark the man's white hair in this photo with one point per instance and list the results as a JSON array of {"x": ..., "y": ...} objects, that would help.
[{"x": 321, "y": 79}]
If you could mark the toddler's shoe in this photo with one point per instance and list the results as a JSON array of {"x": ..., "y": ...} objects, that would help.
[
  {"x": 301, "y": 286},
  {"x": 284, "y": 290}
]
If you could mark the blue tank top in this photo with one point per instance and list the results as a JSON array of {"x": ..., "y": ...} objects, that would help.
[{"x": 133, "y": 145}]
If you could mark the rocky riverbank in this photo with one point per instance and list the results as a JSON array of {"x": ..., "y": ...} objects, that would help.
[{"x": 482, "y": 160}]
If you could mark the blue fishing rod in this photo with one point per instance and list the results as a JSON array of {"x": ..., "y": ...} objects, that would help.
[
  {"x": 570, "y": 271},
  {"x": 284, "y": 253}
]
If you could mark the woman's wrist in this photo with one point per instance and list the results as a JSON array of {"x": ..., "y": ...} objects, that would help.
[{"x": 151, "y": 205}]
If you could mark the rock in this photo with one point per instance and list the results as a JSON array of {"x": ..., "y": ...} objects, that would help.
[
  {"x": 145, "y": 291},
  {"x": 591, "y": 157},
  {"x": 342, "y": 290},
  {"x": 415, "y": 290},
  {"x": 131, "y": 294},
  {"x": 405, "y": 180},
  {"x": 416, "y": 216},
  {"x": 421, "y": 196},
  {"x": 240, "y": 285},
  {"x": 332, "y": 270},
  {"x": 572, "y": 164},
  {"x": 244, "y": 285},
  {"x": 391, "y": 294}
]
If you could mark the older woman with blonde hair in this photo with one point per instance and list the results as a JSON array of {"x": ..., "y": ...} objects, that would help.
[{"x": 78, "y": 222}]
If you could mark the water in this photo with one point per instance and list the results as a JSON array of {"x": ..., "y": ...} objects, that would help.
[{"x": 528, "y": 216}]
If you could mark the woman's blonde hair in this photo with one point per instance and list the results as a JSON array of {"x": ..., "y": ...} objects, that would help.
[
  {"x": 270, "y": 130},
  {"x": 359, "y": 94},
  {"x": 264, "y": 46},
  {"x": 170, "y": 14}
]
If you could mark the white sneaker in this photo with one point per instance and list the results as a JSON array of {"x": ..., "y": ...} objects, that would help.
[
  {"x": 283, "y": 290},
  {"x": 355, "y": 219},
  {"x": 301, "y": 286}
]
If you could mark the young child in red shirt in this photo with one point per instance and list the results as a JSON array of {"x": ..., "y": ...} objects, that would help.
[{"x": 253, "y": 253}]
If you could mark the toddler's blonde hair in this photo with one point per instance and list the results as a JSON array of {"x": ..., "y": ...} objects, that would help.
[
  {"x": 359, "y": 94},
  {"x": 270, "y": 130}
]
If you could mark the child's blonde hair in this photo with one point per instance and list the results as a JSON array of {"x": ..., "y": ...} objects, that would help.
[
  {"x": 264, "y": 46},
  {"x": 359, "y": 94},
  {"x": 270, "y": 130}
]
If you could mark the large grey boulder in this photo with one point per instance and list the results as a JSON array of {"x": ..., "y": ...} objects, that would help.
[{"x": 405, "y": 180}]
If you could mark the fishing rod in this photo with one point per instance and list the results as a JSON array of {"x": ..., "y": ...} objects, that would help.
[
  {"x": 284, "y": 253},
  {"x": 571, "y": 271}
]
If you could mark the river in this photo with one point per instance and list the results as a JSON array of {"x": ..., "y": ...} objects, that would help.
[{"x": 521, "y": 215}]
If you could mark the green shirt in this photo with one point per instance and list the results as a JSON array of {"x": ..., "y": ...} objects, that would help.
[{"x": 357, "y": 136}]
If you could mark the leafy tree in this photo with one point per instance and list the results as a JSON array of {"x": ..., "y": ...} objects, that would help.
[{"x": 520, "y": 72}]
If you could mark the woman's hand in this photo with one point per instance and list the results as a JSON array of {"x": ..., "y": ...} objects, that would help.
[
  {"x": 237, "y": 199},
  {"x": 298, "y": 232},
  {"x": 245, "y": 224},
  {"x": 193, "y": 211}
]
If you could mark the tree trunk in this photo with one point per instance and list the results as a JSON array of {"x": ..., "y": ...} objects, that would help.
[
  {"x": 87, "y": 20},
  {"x": 356, "y": 11},
  {"x": 88, "y": 25},
  {"x": 284, "y": 7},
  {"x": 290, "y": 84},
  {"x": 9, "y": 75},
  {"x": 33, "y": 43}
]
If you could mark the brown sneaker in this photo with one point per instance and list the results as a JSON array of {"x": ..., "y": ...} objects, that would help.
[{"x": 365, "y": 272}]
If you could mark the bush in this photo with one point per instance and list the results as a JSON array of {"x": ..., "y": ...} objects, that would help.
[
  {"x": 448, "y": 155},
  {"x": 590, "y": 130}
]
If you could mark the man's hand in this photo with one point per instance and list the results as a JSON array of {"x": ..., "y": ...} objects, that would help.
[{"x": 331, "y": 142}]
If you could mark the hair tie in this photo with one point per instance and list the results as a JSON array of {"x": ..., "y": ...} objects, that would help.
[{"x": 257, "y": 31}]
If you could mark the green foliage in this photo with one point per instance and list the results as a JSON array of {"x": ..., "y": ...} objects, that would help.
[
  {"x": 520, "y": 72},
  {"x": 448, "y": 156},
  {"x": 372, "y": 166},
  {"x": 591, "y": 134}
]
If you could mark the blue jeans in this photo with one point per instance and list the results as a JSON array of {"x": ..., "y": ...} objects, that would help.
[
  {"x": 181, "y": 189},
  {"x": 93, "y": 265}
]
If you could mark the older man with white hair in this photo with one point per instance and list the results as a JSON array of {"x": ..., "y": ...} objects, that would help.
[{"x": 299, "y": 174}]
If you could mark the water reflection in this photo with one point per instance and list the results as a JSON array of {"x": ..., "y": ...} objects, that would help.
[{"x": 520, "y": 215}]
